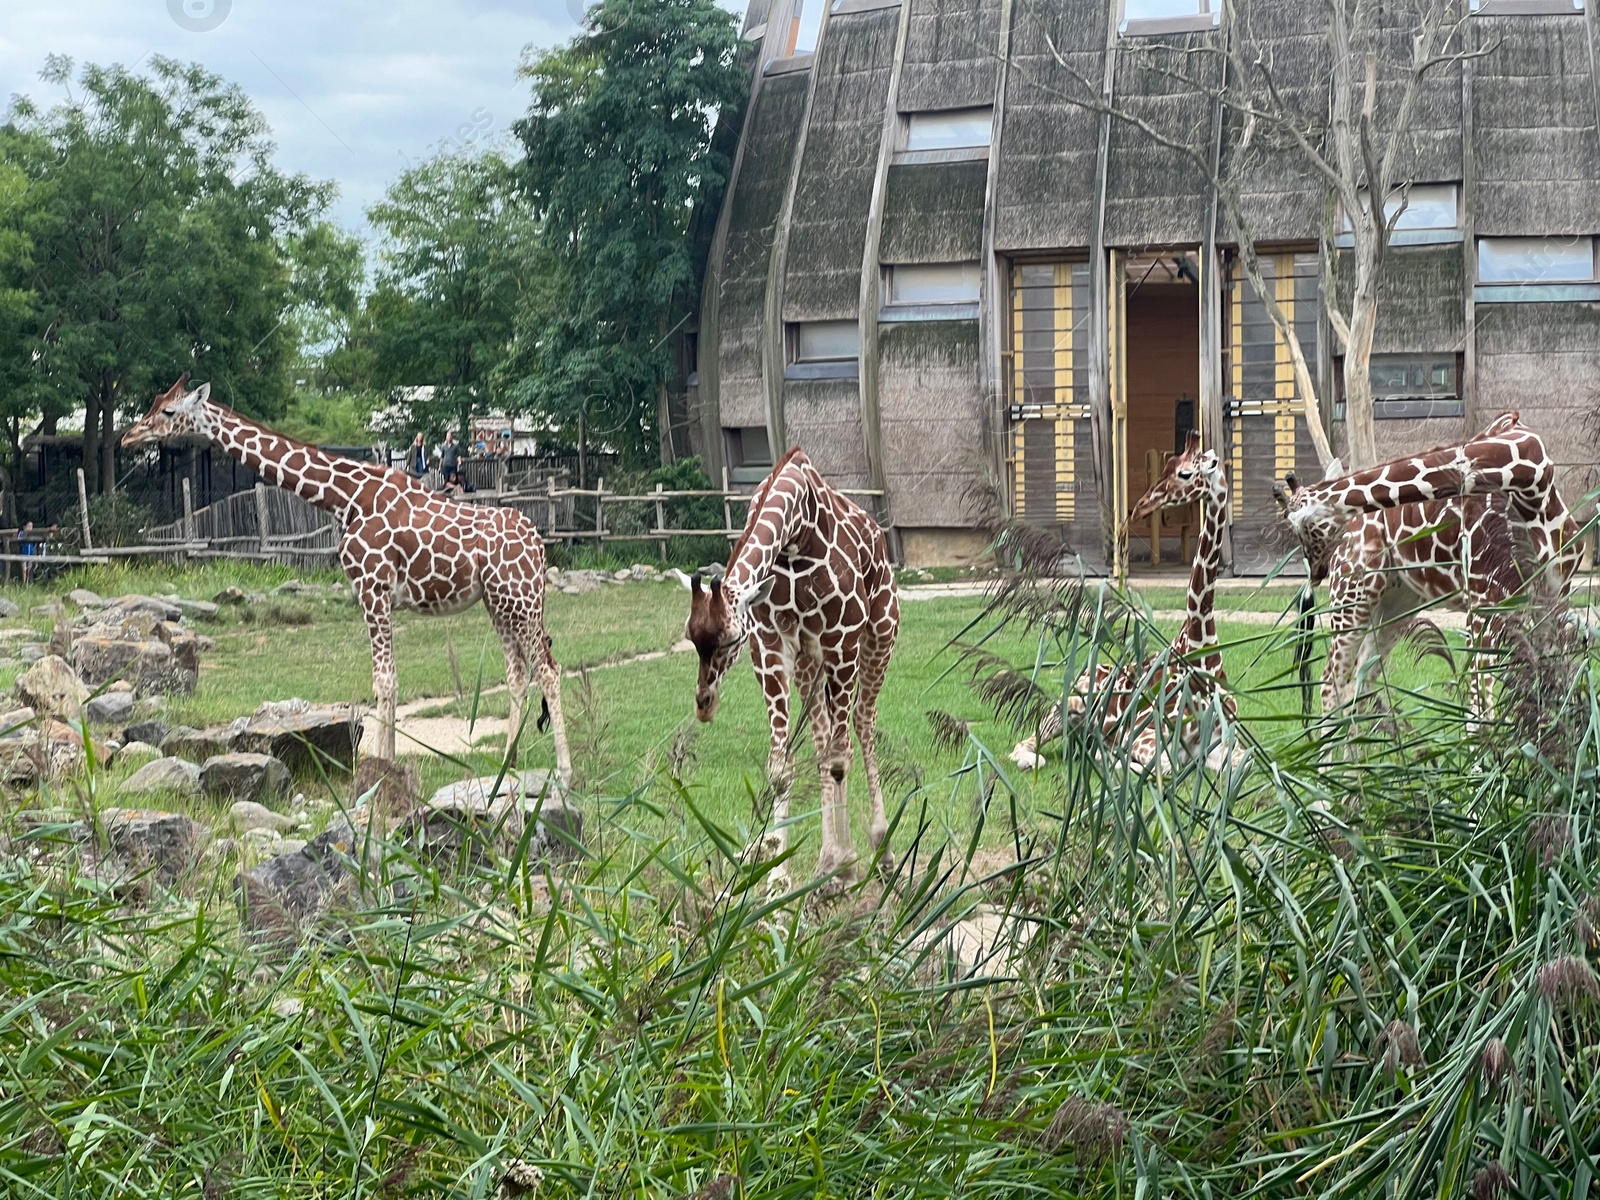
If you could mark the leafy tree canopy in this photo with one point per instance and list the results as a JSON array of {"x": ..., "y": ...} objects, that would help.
[{"x": 618, "y": 154}]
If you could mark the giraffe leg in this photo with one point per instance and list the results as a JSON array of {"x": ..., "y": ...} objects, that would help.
[
  {"x": 838, "y": 854},
  {"x": 549, "y": 675},
  {"x": 772, "y": 672},
  {"x": 513, "y": 642},
  {"x": 377, "y": 604},
  {"x": 866, "y": 723}
]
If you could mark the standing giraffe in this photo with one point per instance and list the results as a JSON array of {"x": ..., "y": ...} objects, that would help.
[
  {"x": 401, "y": 546},
  {"x": 1188, "y": 676},
  {"x": 1425, "y": 519},
  {"x": 810, "y": 579}
]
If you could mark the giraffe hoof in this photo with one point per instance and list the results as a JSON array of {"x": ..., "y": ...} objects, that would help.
[{"x": 837, "y": 878}]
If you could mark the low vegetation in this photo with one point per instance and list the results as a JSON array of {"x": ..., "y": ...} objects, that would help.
[{"x": 1327, "y": 973}]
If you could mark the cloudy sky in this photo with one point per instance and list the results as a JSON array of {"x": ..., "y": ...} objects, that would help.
[{"x": 354, "y": 89}]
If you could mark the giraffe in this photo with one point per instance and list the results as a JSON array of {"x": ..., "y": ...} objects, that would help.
[
  {"x": 1188, "y": 676},
  {"x": 810, "y": 584},
  {"x": 1424, "y": 519},
  {"x": 401, "y": 546}
]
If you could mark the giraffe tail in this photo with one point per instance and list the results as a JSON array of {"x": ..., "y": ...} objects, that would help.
[{"x": 543, "y": 723}]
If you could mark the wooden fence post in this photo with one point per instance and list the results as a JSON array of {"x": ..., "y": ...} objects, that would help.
[
  {"x": 188, "y": 517},
  {"x": 261, "y": 515},
  {"x": 661, "y": 523},
  {"x": 727, "y": 508},
  {"x": 599, "y": 519},
  {"x": 550, "y": 506},
  {"x": 83, "y": 510}
]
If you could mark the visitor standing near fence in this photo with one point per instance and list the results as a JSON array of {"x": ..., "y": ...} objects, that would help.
[
  {"x": 30, "y": 543},
  {"x": 449, "y": 455},
  {"x": 417, "y": 460}
]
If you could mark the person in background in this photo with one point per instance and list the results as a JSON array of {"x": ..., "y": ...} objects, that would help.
[
  {"x": 455, "y": 484},
  {"x": 449, "y": 455},
  {"x": 30, "y": 544},
  {"x": 417, "y": 460}
]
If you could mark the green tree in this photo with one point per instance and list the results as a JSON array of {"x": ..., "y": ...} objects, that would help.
[
  {"x": 162, "y": 246},
  {"x": 458, "y": 250},
  {"x": 618, "y": 155},
  {"x": 19, "y": 207}
]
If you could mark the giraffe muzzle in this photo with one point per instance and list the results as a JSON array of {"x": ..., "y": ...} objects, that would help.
[{"x": 705, "y": 705}]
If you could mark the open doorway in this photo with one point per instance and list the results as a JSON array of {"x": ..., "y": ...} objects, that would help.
[{"x": 1163, "y": 391}]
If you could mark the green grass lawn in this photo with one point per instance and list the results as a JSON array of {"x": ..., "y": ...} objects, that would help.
[{"x": 630, "y": 724}]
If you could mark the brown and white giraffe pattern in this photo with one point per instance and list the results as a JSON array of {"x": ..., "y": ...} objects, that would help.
[
  {"x": 1456, "y": 546},
  {"x": 1175, "y": 689},
  {"x": 809, "y": 582},
  {"x": 402, "y": 546}
]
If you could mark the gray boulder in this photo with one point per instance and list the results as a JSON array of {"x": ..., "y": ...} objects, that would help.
[
  {"x": 110, "y": 707},
  {"x": 50, "y": 686},
  {"x": 245, "y": 777},
  {"x": 174, "y": 775},
  {"x": 168, "y": 843},
  {"x": 284, "y": 895},
  {"x": 153, "y": 732},
  {"x": 323, "y": 739},
  {"x": 197, "y": 745},
  {"x": 9, "y": 608},
  {"x": 136, "y": 752},
  {"x": 198, "y": 608},
  {"x": 245, "y": 815},
  {"x": 476, "y": 815},
  {"x": 229, "y": 595},
  {"x": 31, "y": 653},
  {"x": 84, "y": 598}
]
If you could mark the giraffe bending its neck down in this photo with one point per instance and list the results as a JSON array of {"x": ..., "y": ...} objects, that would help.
[
  {"x": 810, "y": 583},
  {"x": 402, "y": 546},
  {"x": 1461, "y": 549},
  {"x": 1176, "y": 687}
]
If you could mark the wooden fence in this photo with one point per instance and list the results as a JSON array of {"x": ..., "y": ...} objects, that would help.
[{"x": 269, "y": 525}]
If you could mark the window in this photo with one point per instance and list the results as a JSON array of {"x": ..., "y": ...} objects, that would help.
[
  {"x": 823, "y": 350},
  {"x": 936, "y": 283},
  {"x": 749, "y": 453},
  {"x": 955, "y": 130},
  {"x": 1536, "y": 260},
  {"x": 825, "y": 341},
  {"x": 1427, "y": 206},
  {"x": 805, "y": 25},
  {"x": 1506, "y": 8},
  {"x": 1409, "y": 386},
  {"x": 1169, "y": 16}
]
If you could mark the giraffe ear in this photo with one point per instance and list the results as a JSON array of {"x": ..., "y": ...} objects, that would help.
[
  {"x": 756, "y": 595},
  {"x": 199, "y": 396},
  {"x": 1334, "y": 469},
  {"x": 689, "y": 585}
]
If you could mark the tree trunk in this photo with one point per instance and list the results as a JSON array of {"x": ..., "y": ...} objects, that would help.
[
  {"x": 1358, "y": 410},
  {"x": 583, "y": 451},
  {"x": 91, "y": 438},
  {"x": 108, "y": 445}
]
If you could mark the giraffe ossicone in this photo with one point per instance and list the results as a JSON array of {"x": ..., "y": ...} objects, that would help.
[
  {"x": 401, "y": 546},
  {"x": 809, "y": 585},
  {"x": 1145, "y": 703}
]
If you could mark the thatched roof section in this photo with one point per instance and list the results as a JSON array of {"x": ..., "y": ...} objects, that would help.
[
  {"x": 1044, "y": 195},
  {"x": 934, "y": 213},
  {"x": 1536, "y": 152},
  {"x": 756, "y": 197},
  {"x": 1155, "y": 194},
  {"x": 823, "y": 416},
  {"x": 950, "y": 54},
  {"x": 1419, "y": 306},
  {"x": 828, "y": 228},
  {"x": 932, "y": 413}
]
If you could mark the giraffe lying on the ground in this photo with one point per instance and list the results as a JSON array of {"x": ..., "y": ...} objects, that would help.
[
  {"x": 809, "y": 582},
  {"x": 1425, "y": 520},
  {"x": 401, "y": 546},
  {"x": 1173, "y": 689}
]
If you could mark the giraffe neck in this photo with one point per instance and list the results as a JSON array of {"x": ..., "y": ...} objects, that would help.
[
  {"x": 1438, "y": 474},
  {"x": 1199, "y": 630},
  {"x": 784, "y": 513},
  {"x": 321, "y": 479}
]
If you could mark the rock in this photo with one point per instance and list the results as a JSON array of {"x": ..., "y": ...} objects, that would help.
[
  {"x": 470, "y": 815},
  {"x": 289, "y": 892},
  {"x": 167, "y": 842},
  {"x": 84, "y": 598},
  {"x": 245, "y": 777},
  {"x": 290, "y": 845},
  {"x": 52, "y": 610},
  {"x": 136, "y": 752},
  {"x": 392, "y": 790},
  {"x": 9, "y": 608},
  {"x": 110, "y": 707},
  {"x": 175, "y": 775},
  {"x": 30, "y": 653},
  {"x": 133, "y": 604},
  {"x": 13, "y": 721},
  {"x": 229, "y": 595},
  {"x": 307, "y": 743},
  {"x": 153, "y": 732},
  {"x": 197, "y": 745},
  {"x": 51, "y": 687},
  {"x": 289, "y": 1006},
  {"x": 200, "y": 608},
  {"x": 120, "y": 685},
  {"x": 293, "y": 587},
  {"x": 18, "y": 635},
  {"x": 246, "y": 815},
  {"x": 147, "y": 664}
]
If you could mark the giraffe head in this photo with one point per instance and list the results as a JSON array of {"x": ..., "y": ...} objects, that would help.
[
  {"x": 1195, "y": 474},
  {"x": 1317, "y": 524},
  {"x": 718, "y": 626},
  {"x": 176, "y": 413}
]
